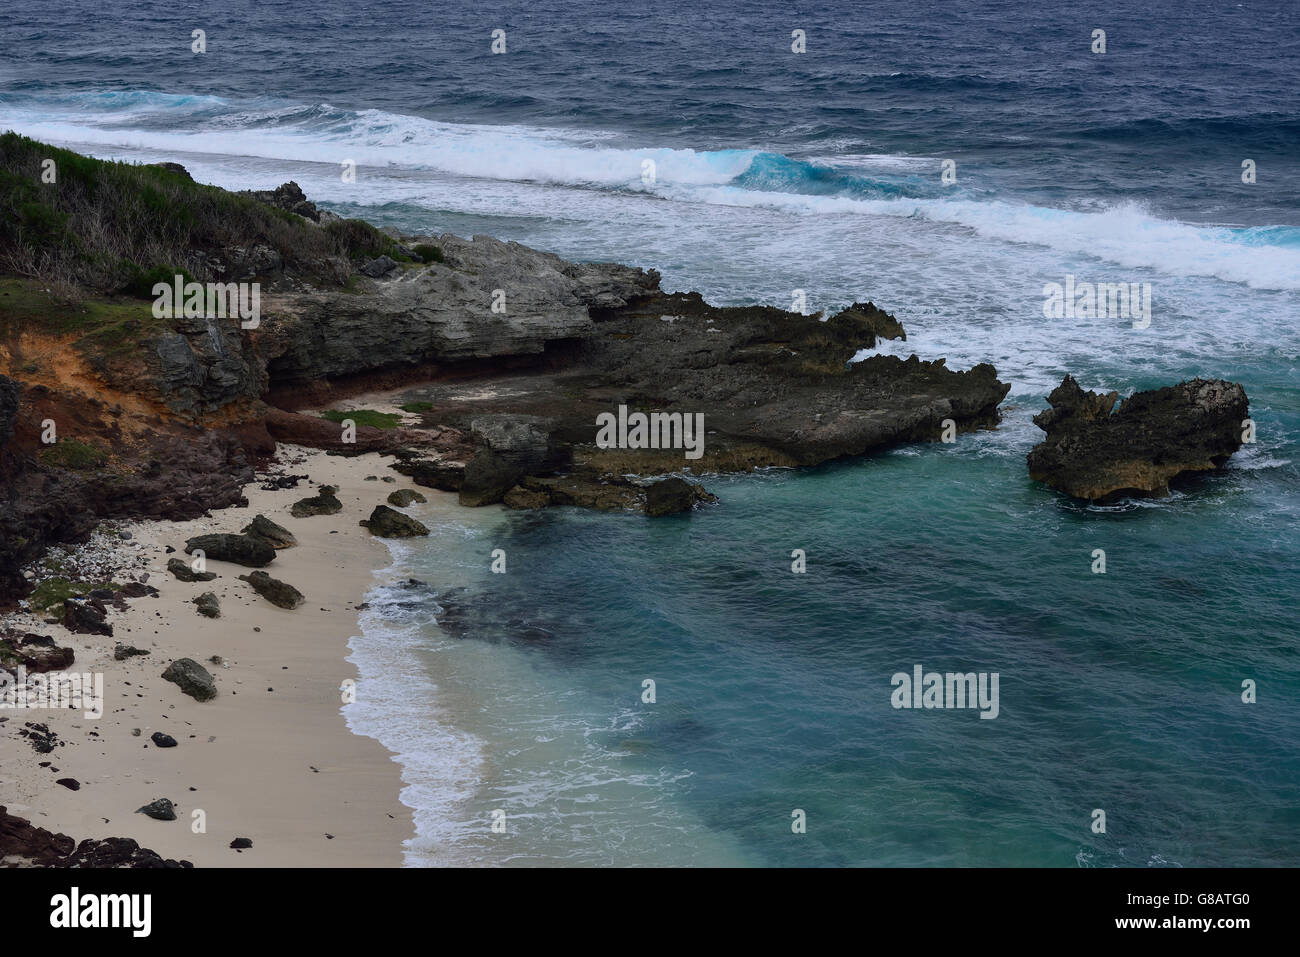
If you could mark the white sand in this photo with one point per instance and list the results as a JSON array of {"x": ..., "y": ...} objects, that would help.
[{"x": 277, "y": 766}]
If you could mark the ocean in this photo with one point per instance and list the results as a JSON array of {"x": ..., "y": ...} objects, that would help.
[{"x": 822, "y": 171}]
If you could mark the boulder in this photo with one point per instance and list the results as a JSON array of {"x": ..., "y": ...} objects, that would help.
[
  {"x": 389, "y": 523},
  {"x": 192, "y": 678},
  {"x": 273, "y": 590},
  {"x": 160, "y": 810},
  {"x": 1093, "y": 453},
  {"x": 208, "y": 605},
  {"x": 237, "y": 549}
]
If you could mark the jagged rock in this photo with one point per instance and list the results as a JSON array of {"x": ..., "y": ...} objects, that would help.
[
  {"x": 273, "y": 590},
  {"x": 139, "y": 590},
  {"x": 324, "y": 502},
  {"x": 868, "y": 318},
  {"x": 238, "y": 549},
  {"x": 1155, "y": 436},
  {"x": 208, "y": 605},
  {"x": 670, "y": 496},
  {"x": 379, "y": 267},
  {"x": 160, "y": 810},
  {"x": 86, "y": 617},
  {"x": 122, "y": 652},
  {"x": 389, "y": 523},
  {"x": 185, "y": 573},
  {"x": 404, "y": 497},
  {"x": 277, "y": 536},
  {"x": 192, "y": 678}
]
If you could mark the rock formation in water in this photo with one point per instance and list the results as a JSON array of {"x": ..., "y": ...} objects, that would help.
[{"x": 1092, "y": 452}]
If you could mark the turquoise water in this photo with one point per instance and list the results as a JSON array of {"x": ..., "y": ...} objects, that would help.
[{"x": 1119, "y": 691}]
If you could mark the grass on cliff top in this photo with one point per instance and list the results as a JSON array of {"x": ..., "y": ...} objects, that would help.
[
  {"x": 378, "y": 420},
  {"x": 104, "y": 225}
]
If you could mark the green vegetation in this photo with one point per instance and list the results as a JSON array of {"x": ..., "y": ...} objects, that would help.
[
  {"x": 430, "y": 254},
  {"x": 378, "y": 420},
  {"x": 416, "y": 407},
  {"x": 71, "y": 454},
  {"x": 109, "y": 226},
  {"x": 50, "y": 594}
]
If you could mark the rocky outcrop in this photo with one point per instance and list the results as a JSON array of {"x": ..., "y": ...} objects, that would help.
[
  {"x": 23, "y": 844},
  {"x": 238, "y": 549},
  {"x": 278, "y": 593},
  {"x": 1094, "y": 453},
  {"x": 523, "y": 350},
  {"x": 386, "y": 522}
]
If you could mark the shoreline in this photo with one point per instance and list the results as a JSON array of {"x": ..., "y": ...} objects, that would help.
[{"x": 281, "y": 767}]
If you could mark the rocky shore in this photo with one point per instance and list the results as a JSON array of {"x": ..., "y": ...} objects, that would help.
[{"x": 107, "y": 412}]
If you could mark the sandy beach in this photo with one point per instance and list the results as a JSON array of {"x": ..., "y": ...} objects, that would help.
[{"x": 270, "y": 758}]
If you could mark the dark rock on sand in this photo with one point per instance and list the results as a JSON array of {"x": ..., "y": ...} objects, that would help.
[
  {"x": 241, "y": 843},
  {"x": 139, "y": 590},
  {"x": 404, "y": 497},
  {"x": 86, "y": 617},
  {"x": 160, "y": 810},
  {"x": 72, "y": 784},
  {"x": 238, "y": 549},
  {"x": 208, "y": 605},
  {"x": 273, "y": 590},
  {"x": 185, "y": 573},
  {"x": 192, "y": 678},
  {"x": 162, "y": 740},
  {"x": 277, "y": 536},
  {"x": 1153, "y": 438},
  {"x": 122, "y": 652},
  {"x": 324, "y": 502},
  {"x": 389, "y": 523}
]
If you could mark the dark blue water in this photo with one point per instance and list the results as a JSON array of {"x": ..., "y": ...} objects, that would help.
[{"x": 777, "y": 171}]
